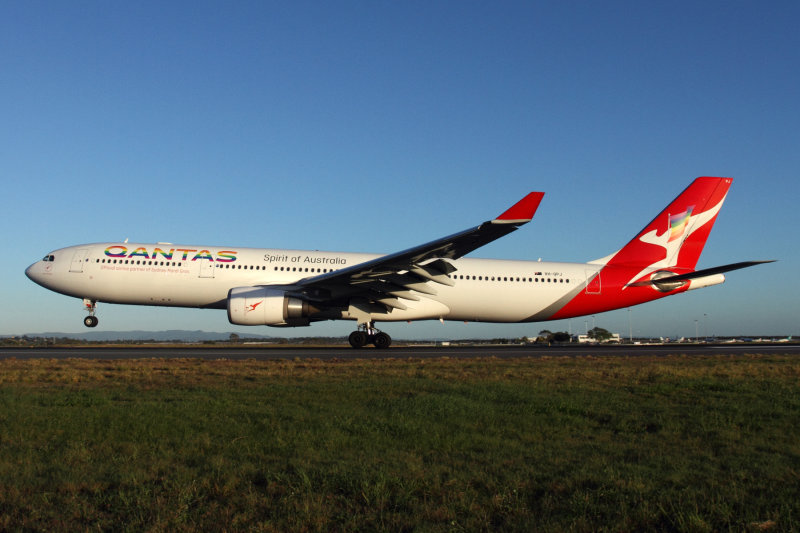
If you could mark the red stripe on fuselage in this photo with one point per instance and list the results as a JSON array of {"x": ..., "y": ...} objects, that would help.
[{"x": 612, "y": 294}]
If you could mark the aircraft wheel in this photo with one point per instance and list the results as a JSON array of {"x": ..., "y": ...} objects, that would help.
[
  {"x": 90, "y": 321},
  {"x": 382, "y": 341},
  {"x": 357, "y": 339}
]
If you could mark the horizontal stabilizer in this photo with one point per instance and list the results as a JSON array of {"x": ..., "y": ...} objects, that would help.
[{"x": 698, "y": 273}]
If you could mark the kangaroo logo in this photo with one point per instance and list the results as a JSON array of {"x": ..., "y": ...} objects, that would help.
[
  {"x": 252, "y": 307},
  {"x": 678, "y": 228}
]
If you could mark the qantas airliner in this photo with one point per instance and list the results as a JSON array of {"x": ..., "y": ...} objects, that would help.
[{"x": 432, "y": 281}]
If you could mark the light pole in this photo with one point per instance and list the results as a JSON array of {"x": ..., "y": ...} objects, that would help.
[
  {"x": 696, "y": 332},
  {"x": 630, "y": 327}
]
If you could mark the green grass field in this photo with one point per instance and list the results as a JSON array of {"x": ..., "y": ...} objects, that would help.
[{"x": 581, "y": 444}]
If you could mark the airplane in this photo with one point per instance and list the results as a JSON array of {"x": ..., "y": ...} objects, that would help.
[{"x": 432, "y": 281}]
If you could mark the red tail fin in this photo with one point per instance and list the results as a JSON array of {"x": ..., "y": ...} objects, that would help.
[
  {"x": 675, "y": 238},
  {"x": 671, "y": 243}
]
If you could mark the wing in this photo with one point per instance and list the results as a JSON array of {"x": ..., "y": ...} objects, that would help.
[{"x": 388, "y": 279}]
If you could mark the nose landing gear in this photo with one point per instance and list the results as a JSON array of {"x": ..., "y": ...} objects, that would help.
[
  {"x": 91, "y": 320},
  {"x": 367, "y": 334}
]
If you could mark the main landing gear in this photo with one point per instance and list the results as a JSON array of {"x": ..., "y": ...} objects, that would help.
[
  {"x": 91, "y": 320},
  {"x": 367, "y": 334}
]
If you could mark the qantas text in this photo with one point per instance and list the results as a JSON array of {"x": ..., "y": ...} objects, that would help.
[{"x": 173, "y": 254}]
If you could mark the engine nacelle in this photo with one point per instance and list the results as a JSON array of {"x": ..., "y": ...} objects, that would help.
[{"x": 262, "y": 306}]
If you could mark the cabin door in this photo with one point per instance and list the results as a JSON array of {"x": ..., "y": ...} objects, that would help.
[
  {"x": 77, "y": 260},
  {"x": 206, "y": 268},
  {"x": 592, "y": 282}
]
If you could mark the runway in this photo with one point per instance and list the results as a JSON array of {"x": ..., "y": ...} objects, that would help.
[{"x": 266, "y": 353}]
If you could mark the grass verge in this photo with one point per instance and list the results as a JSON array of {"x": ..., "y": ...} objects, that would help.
[{"x": 583, "y": 444}]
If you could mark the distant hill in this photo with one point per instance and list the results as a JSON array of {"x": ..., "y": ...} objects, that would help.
[{"x": 160, "y": 336}]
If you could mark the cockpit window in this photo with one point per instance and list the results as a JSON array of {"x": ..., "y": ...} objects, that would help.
[{"x": 48, "y": 258}]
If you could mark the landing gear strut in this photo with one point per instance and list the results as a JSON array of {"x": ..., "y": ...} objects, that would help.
[
  {"x": 91, "y": 320},
  {"x": 367, "y": 334}
]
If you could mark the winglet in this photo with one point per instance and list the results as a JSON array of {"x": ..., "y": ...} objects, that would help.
[{"x": 523, "y": 210}]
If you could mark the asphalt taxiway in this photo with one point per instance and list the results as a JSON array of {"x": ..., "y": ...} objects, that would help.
[{"x": 398, "y": 352}]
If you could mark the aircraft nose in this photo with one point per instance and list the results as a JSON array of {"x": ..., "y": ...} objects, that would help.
[{"x": 33, "y": 273}]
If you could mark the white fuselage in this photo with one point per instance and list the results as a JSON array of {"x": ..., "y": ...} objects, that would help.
[{"x": 485, "y": 290}]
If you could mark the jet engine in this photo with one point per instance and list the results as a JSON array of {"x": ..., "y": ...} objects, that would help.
[{"x": 263, "y": 306}]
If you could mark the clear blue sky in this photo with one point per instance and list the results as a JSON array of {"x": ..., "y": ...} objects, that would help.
[{"x": 374, "y": 126}]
